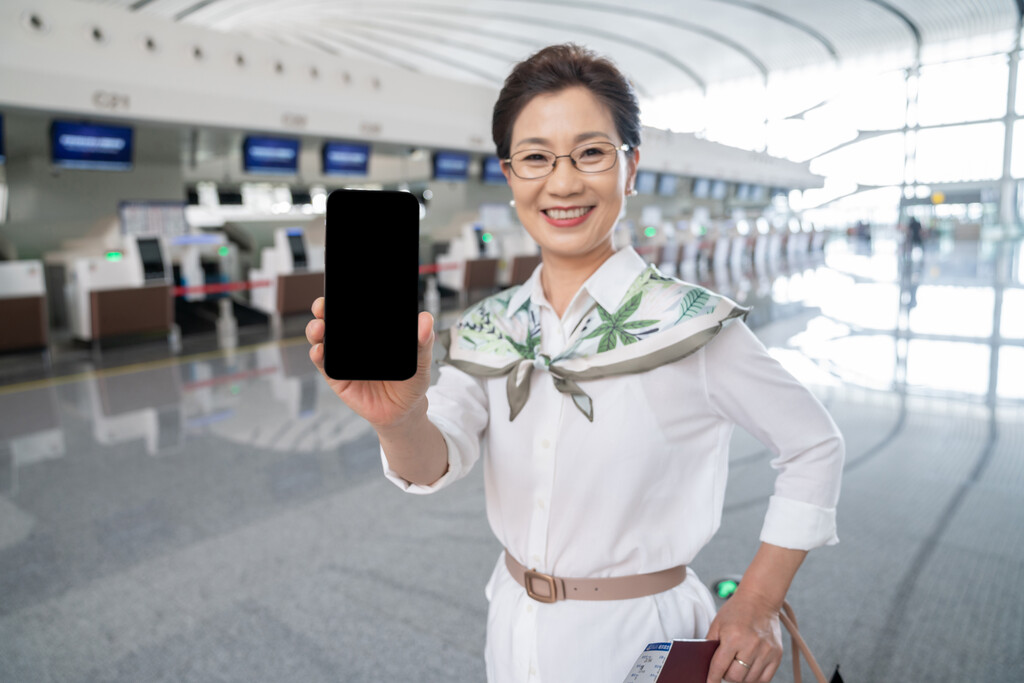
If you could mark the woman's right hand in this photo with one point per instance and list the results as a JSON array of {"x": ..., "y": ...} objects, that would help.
[{"x": 384, "y": 404}]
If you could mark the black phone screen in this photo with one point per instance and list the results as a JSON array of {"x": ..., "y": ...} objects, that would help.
[{"x": 371, "y": 285}]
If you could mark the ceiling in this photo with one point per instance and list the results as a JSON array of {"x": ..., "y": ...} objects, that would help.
[{"x": 666, "y": 46}]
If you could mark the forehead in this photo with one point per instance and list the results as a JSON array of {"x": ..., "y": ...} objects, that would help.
[{"x": 560, "y": 117}]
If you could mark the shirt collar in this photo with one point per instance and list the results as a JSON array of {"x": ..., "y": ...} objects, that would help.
[{"x": 606, "y": 286}]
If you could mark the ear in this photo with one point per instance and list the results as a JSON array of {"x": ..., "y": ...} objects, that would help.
[
  {"x": 632, "y": 161},
  {"x": 506, "y": 171}
]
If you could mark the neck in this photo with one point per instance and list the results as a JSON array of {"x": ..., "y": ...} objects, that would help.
[{"x": 562, "y": 277}]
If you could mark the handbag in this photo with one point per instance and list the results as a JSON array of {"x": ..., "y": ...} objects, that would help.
[{"x": 798, "y": 646}]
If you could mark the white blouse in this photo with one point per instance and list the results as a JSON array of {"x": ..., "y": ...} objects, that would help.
[{"x": 639, "y": 489}]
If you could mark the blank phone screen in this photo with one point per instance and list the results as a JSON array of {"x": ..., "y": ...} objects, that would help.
[{"x": 371, "y": 285}]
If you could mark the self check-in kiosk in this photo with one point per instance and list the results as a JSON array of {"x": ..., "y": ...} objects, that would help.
[
  {"x": 123, "y": 292},
  {"x": 291, "y": 273}
]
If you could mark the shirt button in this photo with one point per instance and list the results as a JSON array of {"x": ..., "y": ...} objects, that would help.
[
  {"x": 529, "y": 609},
  {"x": 545, "y": 444},
  {"x": 540, "y": 503},
  {"x": 536, "y": 560}
]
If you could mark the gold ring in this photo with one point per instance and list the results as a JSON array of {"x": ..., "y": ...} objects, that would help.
[{"x": 741, "y": 662}]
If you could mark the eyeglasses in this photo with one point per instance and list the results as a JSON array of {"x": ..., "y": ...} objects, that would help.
[{"x": 593, "y": 157}]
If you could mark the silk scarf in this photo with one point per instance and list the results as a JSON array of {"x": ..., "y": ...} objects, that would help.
[{"x": 659, "y": 320}]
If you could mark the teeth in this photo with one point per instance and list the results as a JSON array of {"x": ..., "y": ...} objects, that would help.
[{"x": 562, "y": 215}]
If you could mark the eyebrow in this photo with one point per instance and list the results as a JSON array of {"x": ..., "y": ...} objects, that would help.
[{"x": 579, "y": 138}]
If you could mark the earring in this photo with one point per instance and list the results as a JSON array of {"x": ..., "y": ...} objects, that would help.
[
  {"x": 512, "y": 203},
  {"x": 632, "y": 193}
]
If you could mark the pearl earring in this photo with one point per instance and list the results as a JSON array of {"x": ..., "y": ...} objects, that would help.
[
  {"x": 512, "y": 203},
  {"x": 632, "y": 193}
]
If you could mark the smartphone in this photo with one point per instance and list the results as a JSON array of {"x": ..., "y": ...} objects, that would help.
[{"x": 371, "y": 285}]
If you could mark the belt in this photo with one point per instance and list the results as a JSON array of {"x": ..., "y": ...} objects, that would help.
[{"x": 547, "y": 588}]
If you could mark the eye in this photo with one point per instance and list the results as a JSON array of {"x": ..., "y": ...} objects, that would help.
[{"x": 534, "y": 157}]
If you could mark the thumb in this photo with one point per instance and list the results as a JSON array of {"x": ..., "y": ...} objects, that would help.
[{"x": 425, "y": 339}]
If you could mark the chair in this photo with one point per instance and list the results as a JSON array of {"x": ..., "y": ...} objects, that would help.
[
  {"x": 522, "y": 268},
  {"x": 480, "y": 274}
]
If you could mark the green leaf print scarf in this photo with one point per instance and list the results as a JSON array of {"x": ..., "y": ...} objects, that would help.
[{"x": 659, "y": 320}]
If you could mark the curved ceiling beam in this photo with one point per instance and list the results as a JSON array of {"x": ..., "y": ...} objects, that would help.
[
  {"x": 914, "y": 29},
  {"x": 520, "y": 19},
  {"x": 789, "y": 21},
  {"x": 323, "y": 43},
  {"x": 423, "y": 54},
  {"x": 565, "y": 26},
  {"x": 430, "y": 38},
  {"x": 665, "y": 19},
  {"x": 193, "y": 8}
]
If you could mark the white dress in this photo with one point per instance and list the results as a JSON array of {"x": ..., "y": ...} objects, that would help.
[{"x": 637, "y": 490}]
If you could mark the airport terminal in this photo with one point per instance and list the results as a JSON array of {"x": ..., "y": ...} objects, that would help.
[{"x": 183, "y": 497}]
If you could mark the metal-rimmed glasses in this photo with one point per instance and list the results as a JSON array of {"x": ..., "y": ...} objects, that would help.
[{"x": 592, "y": 157}]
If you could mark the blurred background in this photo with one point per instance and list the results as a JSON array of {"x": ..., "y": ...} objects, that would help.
[{"x": 183, "y": 499}]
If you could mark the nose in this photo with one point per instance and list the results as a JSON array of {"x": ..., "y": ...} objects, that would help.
[{"x": 564, "y": 180}]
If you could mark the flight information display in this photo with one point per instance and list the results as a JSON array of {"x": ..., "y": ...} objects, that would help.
[
  {"x": 646, "y": 182},
  {"x": 492, "y": 174},
  {"x": 346, "y": 158},
  {"x": 275, "y": 156},
  {"x": 451, "y": 166},
  {"x": 91, "y": 146}
]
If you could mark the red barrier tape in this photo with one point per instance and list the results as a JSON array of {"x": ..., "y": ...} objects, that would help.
[
  {"x": 221, "y": 287},
  {"x": 427, "y": 270}
]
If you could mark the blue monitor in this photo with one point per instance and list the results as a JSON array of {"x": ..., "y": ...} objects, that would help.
[
  {"x": 701, "y": 188},
  {"x": 346, "y": 158},
  {"x": 667, "y": 184},
  {"x": 274, "y": 156},
  {"x": 492, "y": 174},
  {"x": 719, "y": 189},
  {"x": 91, "y": 146},
  {"x": 646, "y": 182},
  {"x": 451, "y": 166},
  {"x": 743, "y": 192}
]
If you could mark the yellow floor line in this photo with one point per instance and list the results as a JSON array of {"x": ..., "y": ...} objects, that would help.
[{"x": 139, "y": 367}]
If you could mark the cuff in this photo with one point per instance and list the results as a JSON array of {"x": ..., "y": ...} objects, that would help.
[
  {"x": 454, "y": 469},
  {"x": 798, "y": 525}
]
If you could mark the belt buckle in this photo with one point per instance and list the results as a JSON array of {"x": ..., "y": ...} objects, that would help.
[{"x": 528, "y": 578}]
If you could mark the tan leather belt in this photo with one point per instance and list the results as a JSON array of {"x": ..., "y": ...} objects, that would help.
[{"x": 547, "y": 588}]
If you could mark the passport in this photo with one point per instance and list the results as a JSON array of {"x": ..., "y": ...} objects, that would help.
[{"x": 681, "y": 661}]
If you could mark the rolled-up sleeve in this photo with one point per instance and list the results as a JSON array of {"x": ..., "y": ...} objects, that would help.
[
  {"x": 750, "y": 388},
  {"x": 457, "y": 406}
]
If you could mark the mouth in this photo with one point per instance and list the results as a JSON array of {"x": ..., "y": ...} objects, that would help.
[{"x": 567, "y": 217}]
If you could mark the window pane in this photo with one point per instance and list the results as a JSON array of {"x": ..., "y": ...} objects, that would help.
[
  {"x": 1017, "y": 151},
  {"x": 959, "y": 153},
  {"x": 969, "y": 90},
  {"x": 875, "y": 161}
]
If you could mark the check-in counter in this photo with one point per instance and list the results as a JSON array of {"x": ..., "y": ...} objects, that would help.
[
  {"x": 123, "y": 295},
  {"x": 293, "y": 271},
  {"x": 25, "y": 324}
]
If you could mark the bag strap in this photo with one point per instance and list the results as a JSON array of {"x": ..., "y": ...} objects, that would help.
[{"x": 798, "y": 646}]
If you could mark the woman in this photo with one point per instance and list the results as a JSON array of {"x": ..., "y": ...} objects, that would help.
[{"x": 602, "y": 396}]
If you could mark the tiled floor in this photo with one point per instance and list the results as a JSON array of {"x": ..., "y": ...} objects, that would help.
[{"x": 222, "y": 517}]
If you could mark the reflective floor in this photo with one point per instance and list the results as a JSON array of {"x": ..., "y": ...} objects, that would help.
[{"x": 220, "y": 516}]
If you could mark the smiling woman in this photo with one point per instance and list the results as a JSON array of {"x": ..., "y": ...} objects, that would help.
[{"x": 621, "y": 387}]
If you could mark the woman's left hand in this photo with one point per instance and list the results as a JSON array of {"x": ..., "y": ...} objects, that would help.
[{"x": 750, "y": 640}]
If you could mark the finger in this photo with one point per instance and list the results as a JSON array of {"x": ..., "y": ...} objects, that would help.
[
  {"x": 316, "y": 354},
  {"x": 425, "y": 350},
  {"x": 426, "y": 328},
  {"x": 720, "y": 664},
  {"x": 739, "y": 673},
  {"x": 315, "y": 331},
  {"x": 767, "y": 672},
  {"x": 318, "y": 307}
]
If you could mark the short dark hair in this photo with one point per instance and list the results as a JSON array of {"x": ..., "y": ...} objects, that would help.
[{"x": 556, "y": 68}]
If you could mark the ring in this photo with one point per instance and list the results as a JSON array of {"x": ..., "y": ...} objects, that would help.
[{"x": 741, "y": 662}]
